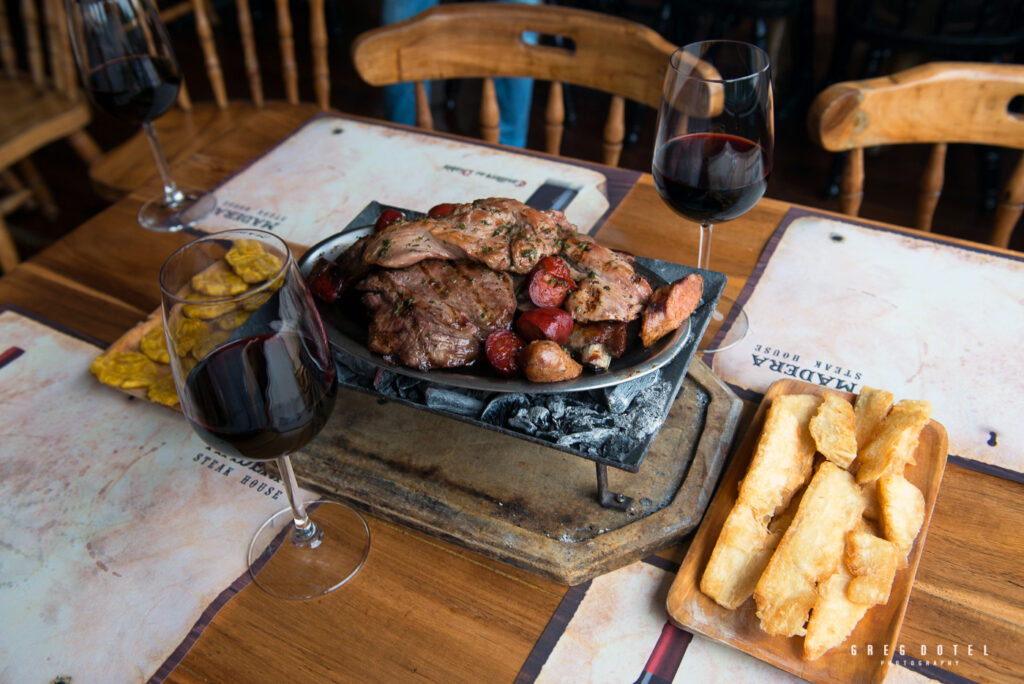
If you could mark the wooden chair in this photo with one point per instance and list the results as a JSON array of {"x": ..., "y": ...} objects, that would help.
[
  {"x": 40, "y": 103},
  {"x": 485, "y": 40},
  {"x": 192, "y": 125},
  {"x": 937, "y": 103}
]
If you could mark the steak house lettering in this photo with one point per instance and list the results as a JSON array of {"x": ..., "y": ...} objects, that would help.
[
  {"x": 812, "y": 375},
  {"x": 246, "y": 219}
]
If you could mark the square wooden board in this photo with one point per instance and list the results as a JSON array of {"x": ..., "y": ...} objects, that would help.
[{"x": 740, "y": 628}]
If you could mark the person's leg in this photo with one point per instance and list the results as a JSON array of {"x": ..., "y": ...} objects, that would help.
[
  {"x": 514, "y": 98},
  {"x": 400, "y": 98}
]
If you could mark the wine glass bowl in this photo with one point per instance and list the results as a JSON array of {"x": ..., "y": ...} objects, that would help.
[
  {"x": 130, "y": 71},
  {"x": 256, "y": 379},
  {"x": 714, "y": 145}
]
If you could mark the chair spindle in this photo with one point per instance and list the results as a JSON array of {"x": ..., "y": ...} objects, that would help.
[
  {"x": 490, "y": 114},
  {"x": 252, "y": 63},
  {"x": 286, "y": 40},
  {"x": 554, "y": 118}
]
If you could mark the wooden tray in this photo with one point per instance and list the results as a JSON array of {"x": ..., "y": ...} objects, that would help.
[{"x": 739, "y": 628}]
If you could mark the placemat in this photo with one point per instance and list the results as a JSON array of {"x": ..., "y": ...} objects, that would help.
[
  {"x": 319, "y": 178},
  {"x": 109, "y": 562},
  {"x": 845, "y": 304},
  {"x": 615, "y": 629}
]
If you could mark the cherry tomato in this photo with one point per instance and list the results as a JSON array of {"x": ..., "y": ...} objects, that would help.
[
  {"x": 439, "y": 210},
  {"x": 556, "y": 266},
  {"x": 503, "y": 348},
  {"x": 386, "y": 218},
  {"x": 325, "y": 281},
  {"x": 545, "y": 323},
  {"x": 550, "y": 282}
]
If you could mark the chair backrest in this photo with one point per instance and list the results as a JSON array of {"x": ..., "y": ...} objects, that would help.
[
  {"x": 47, "y": 57},
  {"x": 486, "y": 40},
  {"x": 251, "y": 50},
  {"x": 937, "y": 103}
]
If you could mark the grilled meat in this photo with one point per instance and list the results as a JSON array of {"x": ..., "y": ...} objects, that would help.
[
  {"x": 609, "y": 288},
  {"x": 436, "y": 314},
  {"x": 503, "y": 234}
]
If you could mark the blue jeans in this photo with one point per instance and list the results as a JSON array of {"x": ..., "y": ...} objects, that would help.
[{"x": 514, "y": 94}]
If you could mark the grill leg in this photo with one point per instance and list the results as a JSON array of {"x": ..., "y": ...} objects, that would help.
[{"x": 607, "y": 498}]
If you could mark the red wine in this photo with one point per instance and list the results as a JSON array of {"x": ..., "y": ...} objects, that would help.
[
  {"x": 135, "y": 89},
  {"x": 711, "y": 176},
  {"x": 260, "y": 397}
]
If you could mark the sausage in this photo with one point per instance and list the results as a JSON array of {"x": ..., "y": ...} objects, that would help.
[
  {"x": 503, "y": 348},
  {"x": 545, "y": 323},
  {"x": 551, "y": 282},
  {"x": 669, "y": 306},
  {"x": 545, "y": 361}
]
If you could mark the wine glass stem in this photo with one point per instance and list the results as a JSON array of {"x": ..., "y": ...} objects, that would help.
[
  {"x": 704, "y": 256},
  {"x": 172, "y": 195},
  {"x": 306, "y": 532}
]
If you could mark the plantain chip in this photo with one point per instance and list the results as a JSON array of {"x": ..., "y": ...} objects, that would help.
[
  {"x": 154, "y": 345},
  {"x": 163, "y": 391},
  {"x": 218, "y": 283},
  {"x": 127, "y": 370},
  {"x": 256, "y": 268},
  {"x": 206, "y": 311},
  {"x": 187, "y": 334}
]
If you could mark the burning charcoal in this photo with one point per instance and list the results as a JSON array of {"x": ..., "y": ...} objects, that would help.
[
  {"x": 589, "y": 439},
  {"x": 556, "y": 405},
  {"x": 384, "y": 382},
  {"x": 619, "y": 445},
  {"x": 503, "y": 407},
  {"x": 646, "y": 418},
  {"x": 452, "y": 401},
  {"x": 521, "y": 421},
  {"x": 619, "y": 397},
  {"x": 540, "y": 416},
  {"x": 353, "y": 370}
]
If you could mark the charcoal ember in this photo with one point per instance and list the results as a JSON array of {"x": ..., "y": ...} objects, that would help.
[
  {"x": 353, "y": 370},
  {"x": 619, "y": 397},
  {"x": 587, "y": 440},
  {"x": 397, "y": 385},
  {"x": 619, "y": 445},
  {"x": 504, "y": 406},
  {"x": 646, "y": 417},
  {"x": 452, "y": 401},
  {"x": 521, "y": 421}
]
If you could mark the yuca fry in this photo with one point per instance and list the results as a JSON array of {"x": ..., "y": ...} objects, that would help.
[
  {"x": 809, "y": 552},
  {"x": 902, "y": 512},
  {"x": 894, "y": 442},
  {"x": 871, "y": 407},
  {"x": 872, "y": 561},
  {"x": 833, "y": 430},
  {"x": 745, "y": 545},
  {"x": 784, "y": 457},
  {"x": 833, "y": 617},
  {"x": 781, "y": 464}
]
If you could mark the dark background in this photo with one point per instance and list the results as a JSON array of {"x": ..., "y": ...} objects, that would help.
[{"x": 802, "y": 173}]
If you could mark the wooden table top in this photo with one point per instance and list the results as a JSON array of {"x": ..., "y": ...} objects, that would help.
[{"x": 422, "y": 608}]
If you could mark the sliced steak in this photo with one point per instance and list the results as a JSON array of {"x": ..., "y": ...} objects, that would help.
[
  {"x": 436, "y": 314},
  {"x": 503, "y": 234}
]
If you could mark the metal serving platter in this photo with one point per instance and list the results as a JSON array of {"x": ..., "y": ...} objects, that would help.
[{"x": 347, "y": 331}]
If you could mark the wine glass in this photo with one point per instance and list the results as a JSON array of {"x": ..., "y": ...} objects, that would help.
[
  {"x": 713, "y": 149},
  {"x": 256, "y": 379},
  {"x": 130, "y": 71}
]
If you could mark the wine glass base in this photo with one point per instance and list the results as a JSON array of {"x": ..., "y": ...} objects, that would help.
[
  {"x": 290, "y": 570},
  {"x": 164, "y": 217},
  {"x": 737, "y": 330}
]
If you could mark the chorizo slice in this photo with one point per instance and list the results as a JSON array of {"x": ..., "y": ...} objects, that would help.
[
  {"x": 669, "y": 306},
  {"x": 546, "y": 361}
]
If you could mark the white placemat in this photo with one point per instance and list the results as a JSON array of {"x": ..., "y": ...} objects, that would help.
[
  {"x": 612, "y": 630},
  {"x": 322, "y": 176},
  {"x": 845, "y": 305},
  {"x": 121, "y": 527}
]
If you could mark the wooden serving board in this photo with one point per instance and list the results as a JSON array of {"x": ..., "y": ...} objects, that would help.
[{"x": 880, "y": 627}]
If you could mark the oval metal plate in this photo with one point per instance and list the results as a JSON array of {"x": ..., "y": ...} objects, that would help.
[{"x": 350, "y": 338}]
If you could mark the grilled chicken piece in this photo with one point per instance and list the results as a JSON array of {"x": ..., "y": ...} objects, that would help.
[
  {"x": 436, "y": 314},
  {"x": 503, "y": 234},
  {"x": 609, "y": 289},
  {"x": 669, "y": 306}
]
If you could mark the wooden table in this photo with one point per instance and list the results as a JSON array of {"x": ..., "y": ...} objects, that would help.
[{"x": 424, "y": 609}]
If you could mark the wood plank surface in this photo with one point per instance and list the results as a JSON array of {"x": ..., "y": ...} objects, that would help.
[{"x": 425, "y": 609}]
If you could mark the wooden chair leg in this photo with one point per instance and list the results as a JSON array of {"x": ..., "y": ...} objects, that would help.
[
  {"x": 40, "y": 190},
  {"x": 851, "y": 186},
  {"x": 8, "y": 252},
  {"x": 84, "y": 146},
  {"x": 1009, "y": 209}
]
